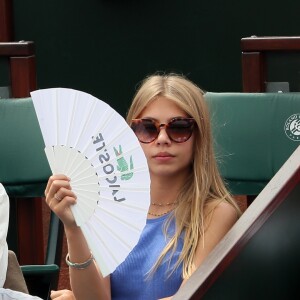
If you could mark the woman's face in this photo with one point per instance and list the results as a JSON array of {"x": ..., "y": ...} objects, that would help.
[{"x": 166, "y": 157}]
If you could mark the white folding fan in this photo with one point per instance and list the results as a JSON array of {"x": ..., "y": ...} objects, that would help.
[{"x": 92, "y": 144}]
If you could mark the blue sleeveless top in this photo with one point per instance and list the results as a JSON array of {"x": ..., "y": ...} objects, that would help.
[{"x": 131, "y": 279}]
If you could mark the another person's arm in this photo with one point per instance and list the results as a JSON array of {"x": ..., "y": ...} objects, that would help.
[{"x": 4, "y": 219}]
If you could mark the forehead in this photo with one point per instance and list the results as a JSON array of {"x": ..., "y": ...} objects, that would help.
[{"x": 162, "y": 108}]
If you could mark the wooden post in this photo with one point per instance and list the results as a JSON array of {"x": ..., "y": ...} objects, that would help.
[
  {"x": 253, "y": 63},
  {"x": 30, "y": 231},
  {"x": 23, "y": 75},
  {"x": 6, "y": 28}
]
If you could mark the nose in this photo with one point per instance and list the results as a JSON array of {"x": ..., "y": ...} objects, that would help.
[{"x": 163, "y": 137}]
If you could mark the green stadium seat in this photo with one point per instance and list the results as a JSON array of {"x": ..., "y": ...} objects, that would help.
[
  {"x": 24, "y": 173},
  {"x": 252, "y": 135}
]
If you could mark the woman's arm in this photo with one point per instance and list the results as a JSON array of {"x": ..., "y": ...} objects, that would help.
[
  {"x": 87, "y": 283},
  {"x": 222, "y": 218},
  {"x": 218, "y": 223}
]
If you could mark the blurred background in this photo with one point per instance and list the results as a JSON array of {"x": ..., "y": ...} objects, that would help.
[{"x": 106, "y": 47}]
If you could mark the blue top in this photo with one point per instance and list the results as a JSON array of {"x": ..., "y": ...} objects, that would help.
[{"x": 131, "y": 279}]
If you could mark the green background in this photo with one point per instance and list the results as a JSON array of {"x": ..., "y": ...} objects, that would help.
[{"x": 105, "y": 47}]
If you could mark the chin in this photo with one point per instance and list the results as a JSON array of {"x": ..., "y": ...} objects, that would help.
[{"x": 164, "y": 171}]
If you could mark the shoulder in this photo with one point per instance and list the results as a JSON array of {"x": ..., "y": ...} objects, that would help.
[
  {"x": 220, "y": 214},
  {"x": 222, "y": 207}
]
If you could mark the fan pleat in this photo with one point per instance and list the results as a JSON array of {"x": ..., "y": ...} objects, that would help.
[
  {"x": 104, "y": 256},
  {"x": 136, "y": 205}
]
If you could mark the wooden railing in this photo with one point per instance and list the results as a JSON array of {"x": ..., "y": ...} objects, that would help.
[
  {"x": 254, "y": 52},
  {"x": 21, "y": 56},
  {"x": 284, "y": 185}
]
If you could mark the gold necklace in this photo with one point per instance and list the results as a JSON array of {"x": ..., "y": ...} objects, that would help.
[
  {"x": 159, "y": 215},
  {"x": 163, "y": 204}
]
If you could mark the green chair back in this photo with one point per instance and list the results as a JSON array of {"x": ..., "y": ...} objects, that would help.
[
  {"x": 24, "y": 172},
  {"x": 254, "y": 135},
  {"x": 24, "y": 168}
]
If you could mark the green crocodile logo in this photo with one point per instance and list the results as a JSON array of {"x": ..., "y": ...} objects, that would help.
[{"x": 123, "y": 165}]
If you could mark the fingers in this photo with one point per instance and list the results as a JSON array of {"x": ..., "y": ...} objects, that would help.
[
  {"x": 59, "y": 197},
  {"x": 52, "y": 179},
  {"x": 62, "y": 295},
  {"x": 57, "y": 188},
  {"x": 66, "y": 200}
]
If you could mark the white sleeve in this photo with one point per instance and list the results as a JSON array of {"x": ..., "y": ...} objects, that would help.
[
  {"x": 7, "y": 294},
  {"x": 4, "y": 219}
]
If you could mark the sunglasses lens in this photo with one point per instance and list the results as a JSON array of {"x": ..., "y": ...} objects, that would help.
[
  {"x": 180, "y": 130},
  {"x": 145, "y": 130}
]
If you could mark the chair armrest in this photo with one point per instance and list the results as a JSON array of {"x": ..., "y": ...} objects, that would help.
[{"x": 39, "y": 269}]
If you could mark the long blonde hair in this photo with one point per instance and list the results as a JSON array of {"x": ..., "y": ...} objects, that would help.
[{"x": 204, "y": 185}]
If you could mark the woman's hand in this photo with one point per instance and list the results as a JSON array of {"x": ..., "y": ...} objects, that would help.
[
  {"x": 59, "y": 197},
  {"x": 62, "y": 295}
]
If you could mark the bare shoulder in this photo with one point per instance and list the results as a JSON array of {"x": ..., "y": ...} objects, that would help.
[
  {"x": 222, "y": 213},
  {"x": 220, "y": 216},
  {"x": 226, "y": 208}
]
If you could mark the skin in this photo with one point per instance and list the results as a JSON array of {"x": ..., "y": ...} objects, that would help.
[{"x": 169, "y": 164}]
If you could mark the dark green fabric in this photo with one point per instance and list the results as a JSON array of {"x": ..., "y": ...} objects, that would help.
[
  {"x": 24, "y": 172},
  {"x": 24, "y": 168},
  {"x": 250, "y": 141}
]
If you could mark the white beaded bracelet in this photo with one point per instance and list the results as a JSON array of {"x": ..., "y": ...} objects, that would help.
[{"x": 79, "y": 266}]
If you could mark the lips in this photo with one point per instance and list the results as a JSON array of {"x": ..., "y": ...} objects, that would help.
[{"x": 163, "y": 155}]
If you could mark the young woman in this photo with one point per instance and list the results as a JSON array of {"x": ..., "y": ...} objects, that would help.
[{"x": 190, "y": 209}]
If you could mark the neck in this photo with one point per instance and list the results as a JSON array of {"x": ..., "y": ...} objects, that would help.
[
  {"x": 164, "y": 193},
  {"x": 164, "y": 189}
]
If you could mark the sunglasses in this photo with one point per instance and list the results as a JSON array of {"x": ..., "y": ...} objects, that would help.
[{"x": 179, "y": 130}]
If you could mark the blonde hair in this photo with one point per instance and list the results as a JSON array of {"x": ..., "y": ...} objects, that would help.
[{"x": 204, "y": 185}]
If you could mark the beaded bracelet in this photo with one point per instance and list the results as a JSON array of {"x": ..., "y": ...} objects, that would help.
[{"x": 79, "y": 266}]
